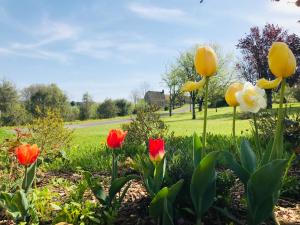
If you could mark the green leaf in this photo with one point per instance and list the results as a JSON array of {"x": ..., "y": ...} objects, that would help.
[
  {"x": 31, "y": 170},
  {"x": 96, "y": 187},
  {"x": 202, "y": 179},
  {"x": 117, "y": 185},
  {"x": 197, "y": 147},
  {"x": 227, "y": 159},
  {"x": 156, "y": 206},
  {"x": 263, "y": 190},
  {"x": 159, "y": 175},
  {"x": 267, "y": 153},
  {"x": 174, "y": 190},
  {"x": 247, "y": 156},
  {"x": 20, "y": 201}
]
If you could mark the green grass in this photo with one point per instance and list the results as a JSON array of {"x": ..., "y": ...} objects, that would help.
[{"x": 219, "y": 122}]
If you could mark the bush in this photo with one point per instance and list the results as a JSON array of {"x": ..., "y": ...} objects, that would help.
[
  {"x": 146, "y": 124},
  {"x": 124, "y": 107},
  {"x": 266, "y": 123},
  {"x": 296, "y": 93},
  {"x": 107, "y": 109},
  {"x": 50, "y": 134}
]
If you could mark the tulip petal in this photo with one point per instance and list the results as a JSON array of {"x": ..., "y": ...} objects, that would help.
[{"x": 266, "y": 84}]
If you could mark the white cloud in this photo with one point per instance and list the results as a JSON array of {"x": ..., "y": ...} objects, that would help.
[{"x": 156, "y": 13}]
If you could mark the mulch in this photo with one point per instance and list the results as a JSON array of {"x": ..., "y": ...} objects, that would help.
[{"x": 134, "y": 209}]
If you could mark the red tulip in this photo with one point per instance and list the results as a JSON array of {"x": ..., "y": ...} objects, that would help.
[
  {"x": 27, "y": 154},
  {"x": 116, "y": 138},
  {"x": 156, "y": 149}
]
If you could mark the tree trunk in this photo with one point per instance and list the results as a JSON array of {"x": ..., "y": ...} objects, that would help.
[
  {"x": 269, "y": 99},
  {"x": 193, "y": 97},
  {"x": 200, "y": 103}
]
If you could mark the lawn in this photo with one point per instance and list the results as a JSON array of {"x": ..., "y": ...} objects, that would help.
[{"x": 219, "y": 122}]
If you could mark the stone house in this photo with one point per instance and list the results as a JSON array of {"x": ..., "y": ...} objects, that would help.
[{"x": 157, "y": 98}]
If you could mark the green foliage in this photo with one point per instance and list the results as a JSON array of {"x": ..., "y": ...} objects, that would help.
[
  {"x": 40, "y": 98},
  {"x": 146, "y": 124},
  {"x": 107, "y": 109},
  {"x": 291, "y": 187},
  {"x": 110, "y": 203},
  {"x": 77, "y": 210},
  {"x": 153, "y": 174},
  {"x": 50, "y": 134},
  {"x": 12, "y": 111},
  {"x": 85, "y": 107},
  {"x": 124, "y": 107},
  {"x": 161, "y": 206},
  {"x": 203, "y": 185},
  {"x": 263, "y": 190},
  {"x": 296, "y": 93},
  {"x": 45, "y": 201}
]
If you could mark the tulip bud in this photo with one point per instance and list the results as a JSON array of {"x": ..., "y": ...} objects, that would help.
[
  {"x": 230, "y": 94},
  {"x": 282, "y": 61},
  {"x": 205, "y": 61}
]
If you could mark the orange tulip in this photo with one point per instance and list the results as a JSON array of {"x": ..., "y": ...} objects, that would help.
[
  {"x": 27, "y": 154},
  {"x": 116, "y": 138}
]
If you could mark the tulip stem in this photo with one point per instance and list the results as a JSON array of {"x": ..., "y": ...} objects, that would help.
[
  {"x": 25, "y": 180},
  {"x": 277, "y": 148},
  {"x": 114, "y": 167},
  {"x": 256, "y": 134},
  {"x": 233, "y": 127},
  {"x": 205, "y": 116}
]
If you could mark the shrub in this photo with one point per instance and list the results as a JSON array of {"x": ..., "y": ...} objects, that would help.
[
  {"x": 146, "y": 124},
  {"x": 107, "y": 109},
  {"x": 124, "y": 107},
  {"x": 50, "y": 134},
  {"x": 296, "y": 92}
]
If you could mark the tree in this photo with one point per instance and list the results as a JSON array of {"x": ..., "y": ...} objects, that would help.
[
  {"x": 12, "y": 112},
  {"x": 107, "y": 109},
  {"x": 85, "y": 107},
  {"x": 123, "y": 107},
  {"x": 186, "y": 65},
  {"x": 254, "y": 48},
  {"x": 40, "y": 98},
  {"x": 172, "y": 81},
  {"x": 135, "y": 95},
  {"x": 8, "y": 95}
]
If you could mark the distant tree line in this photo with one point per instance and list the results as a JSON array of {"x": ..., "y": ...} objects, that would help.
[{"x": 20, "y": 107}]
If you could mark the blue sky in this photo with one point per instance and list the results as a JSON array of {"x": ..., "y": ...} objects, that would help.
[{"x": 109, "y": 48}]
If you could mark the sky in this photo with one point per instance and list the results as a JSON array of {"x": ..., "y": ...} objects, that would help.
[{"x": 108, "y": 48}]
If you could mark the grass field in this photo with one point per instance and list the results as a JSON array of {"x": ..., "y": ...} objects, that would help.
[{"x": 219, "y": 122}]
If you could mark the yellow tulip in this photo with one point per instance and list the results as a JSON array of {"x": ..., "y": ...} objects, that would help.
[
  {"x": 266, "y": 84},
  {"x": 282, "y": 61},
  {"x": 230, "y": 93},
  {"x": 193, "y": 86},
  {"x": 206, "y": 61}
]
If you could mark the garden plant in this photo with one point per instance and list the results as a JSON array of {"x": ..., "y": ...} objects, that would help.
[{"x": 179, "y": 175}]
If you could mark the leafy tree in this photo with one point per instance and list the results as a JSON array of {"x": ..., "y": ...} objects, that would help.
[
  {"x": 107, "y": 109},
  {"x": 85, "y": 107},
  {"x": 172, "y": 80},
  {"x": 254, "y": 48},
  {"x": 12, "y": 112},
  {"x": 123, "y": 106},
  {"x": 40, "y": 98},
  {"x": 186, "y": 65}
]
